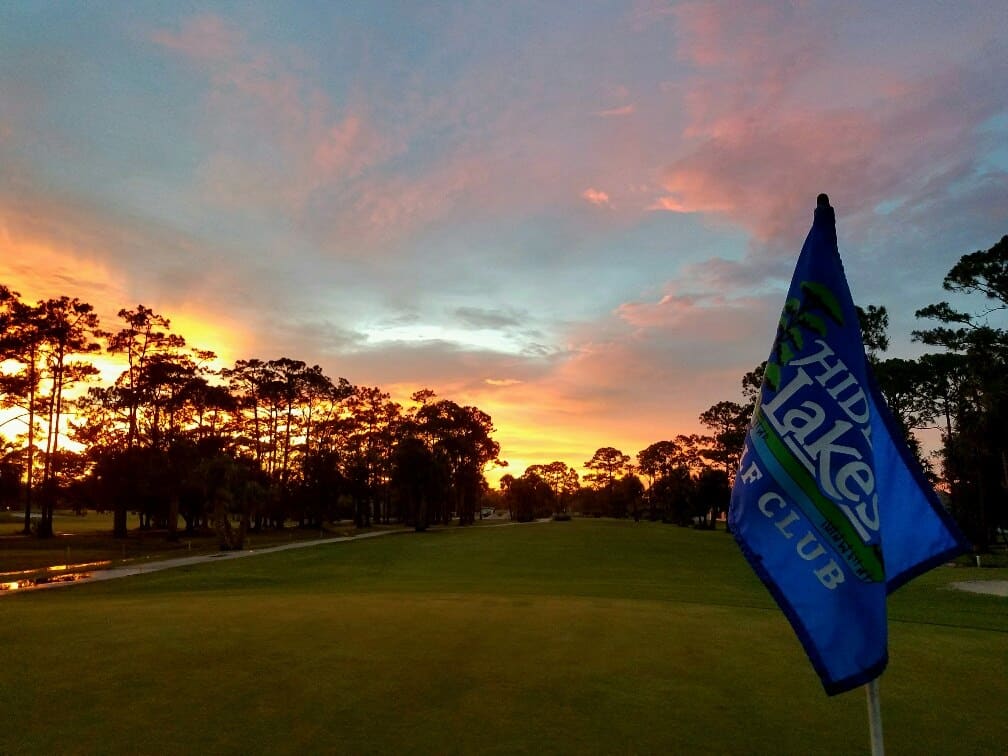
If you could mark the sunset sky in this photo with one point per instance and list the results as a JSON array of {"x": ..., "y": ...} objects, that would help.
[{"x": 579, "y": 216}]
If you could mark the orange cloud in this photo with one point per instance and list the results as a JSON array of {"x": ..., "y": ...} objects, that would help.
[
  {"x": 596, "y": 197},
  {"x": 642, "y": 377},
  {"x": 570, "y": 409},
  {"x": 210, "y": 331},
  {"x": 501, "y": 381},
  {"x": 42, "y": 268},
  {"x": 74, "y": 254},
  {"x": 671, "y": 204}
]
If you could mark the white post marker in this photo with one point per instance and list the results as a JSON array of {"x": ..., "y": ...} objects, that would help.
[{"x": 875, "y": 718}]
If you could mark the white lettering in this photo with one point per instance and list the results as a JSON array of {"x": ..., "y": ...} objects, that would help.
[
  {"x": 831, "y": 575},
  {"x": 823, "y": 448},
  {"x": 766, "y": 499},
  {"x": 846, "y": 383},
  {"x": 772, "y": 505},
  {"x": 820, "y": 358},
  {"x": 752, "y": 474},
  {"x": 800, "y": 423},
  {"x": 857, "y": 472},
  {"x": 800, "y": 380},
  {"x": 803, "y": 544},
  {"x": 858, "y": 416},
  {"x": 782, "y": 524},
  {"x": 849, "y": 405}
]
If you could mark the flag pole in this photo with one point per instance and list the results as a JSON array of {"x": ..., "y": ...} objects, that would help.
[{"x": 875, "y": 718}]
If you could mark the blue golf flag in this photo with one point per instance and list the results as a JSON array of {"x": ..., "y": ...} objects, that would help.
[{"x": 829, "y": 506}]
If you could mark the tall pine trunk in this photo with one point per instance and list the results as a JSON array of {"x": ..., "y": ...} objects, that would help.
[{"x": 30, "y": 472}]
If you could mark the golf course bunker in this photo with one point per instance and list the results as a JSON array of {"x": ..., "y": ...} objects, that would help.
[{"x": 992, "y": 587}]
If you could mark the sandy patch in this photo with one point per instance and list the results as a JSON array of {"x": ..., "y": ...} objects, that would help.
[{"x": 992, "y": 587}]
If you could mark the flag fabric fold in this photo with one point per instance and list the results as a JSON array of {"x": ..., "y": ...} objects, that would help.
[{"x": 829, "y": 507}]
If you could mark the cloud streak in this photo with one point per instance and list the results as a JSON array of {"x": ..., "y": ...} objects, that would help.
[
  {"x": 623, "y": 110},
  {"x": 274, "y": 135},
  {"x": 762, "y": 144},
  {"x": 582, "y": 223}
]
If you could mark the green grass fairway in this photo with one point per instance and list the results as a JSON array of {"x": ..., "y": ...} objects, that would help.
[{"x": 583, "y": 637}]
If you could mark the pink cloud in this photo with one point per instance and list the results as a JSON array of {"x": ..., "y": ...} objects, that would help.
[
  {"x": 721, "y": 319},
  {"x": 675, "y": 205},
  {"x": 740, "y": 34},
  {"x": 762, "y": 139},
  {"x": 389, "y": 207},
  {"x": 276, "y": 136},
  {"x": 767, "y": 175},
  {"x": 625, "y": 110},
  {"x": 337, "y": 149},
  {"x": 595, "y": 196},
  {"x": 670, "y": 310}
]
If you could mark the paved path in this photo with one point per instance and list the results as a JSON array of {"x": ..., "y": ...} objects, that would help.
[{"x": 139, "y": 568}]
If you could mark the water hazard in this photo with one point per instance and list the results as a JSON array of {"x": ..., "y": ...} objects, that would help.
[{"x": 26, "y": 580}]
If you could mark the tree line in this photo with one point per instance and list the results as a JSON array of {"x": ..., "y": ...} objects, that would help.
[
  {"x": 685, "y": 485},
  {"x": 259, "y": 443},
  {"x": 959, "y": 389},
  {"x": 266, "y": 442}
]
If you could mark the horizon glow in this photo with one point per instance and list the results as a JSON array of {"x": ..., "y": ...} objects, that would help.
[{"x": 580, "y": 219}]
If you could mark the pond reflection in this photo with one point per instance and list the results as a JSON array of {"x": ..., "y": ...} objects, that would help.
[{"x": 43, "y": 576}]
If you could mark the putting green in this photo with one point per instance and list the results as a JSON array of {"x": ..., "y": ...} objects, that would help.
[{"x": 581, "y": 637}]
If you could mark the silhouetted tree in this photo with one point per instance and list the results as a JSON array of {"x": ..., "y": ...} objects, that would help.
[
  {"x": 674, "y": 495},
  {"x": 661, "y": 462},
  {"x": 269, "y": 441},
  {"x": 419, "y": 481},
  {"x": 528, "y": 497},
  {"x": 461, "y": 436},
  {"x": 874, "y": 322},
  {"x": 712, "y": 496},
  {"x": 607, "y": 465},
  {"x": 21, "y": 342},
  {"x": 11, "y": 462},
  {"x": 561, "y": 479},
  {"x": 246, "y": 381},
  {"x": 970, "y": 388},
  {"x": 368, "y": 440},
  {"x": 729, "y": 421},
  {"x": 628, "y": 497},
  {"x": 68, "y": 327},
  {"x": 144, "y": 337},
  {"x": 752, "y": 383}
]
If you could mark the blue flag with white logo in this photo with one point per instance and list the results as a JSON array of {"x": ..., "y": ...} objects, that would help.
[{"x": 829, "y": 506}]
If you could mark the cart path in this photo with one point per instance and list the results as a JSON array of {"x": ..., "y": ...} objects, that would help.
[{"x": 113, "y": 573}]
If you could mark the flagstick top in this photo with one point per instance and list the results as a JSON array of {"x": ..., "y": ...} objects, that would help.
[{"x": 825, "y": 217}]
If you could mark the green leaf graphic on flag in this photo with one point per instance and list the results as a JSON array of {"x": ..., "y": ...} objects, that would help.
[{"x": 800, "y": 316}]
